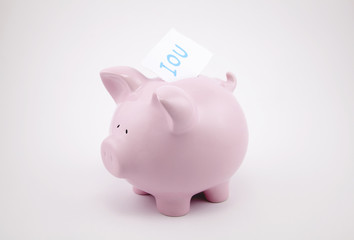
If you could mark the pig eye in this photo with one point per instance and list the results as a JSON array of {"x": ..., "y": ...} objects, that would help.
[
  {"x": 118, "y": 125},
  {"x": 126, "y": 131}
]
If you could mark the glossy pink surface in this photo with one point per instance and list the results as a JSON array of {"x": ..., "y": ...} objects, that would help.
[{"x": 174, "y": 139}]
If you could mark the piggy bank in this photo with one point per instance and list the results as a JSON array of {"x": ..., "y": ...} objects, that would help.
[{"x": 174, "y": 139}]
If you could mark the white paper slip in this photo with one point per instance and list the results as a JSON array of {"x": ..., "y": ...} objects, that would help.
[{"x": 176, "y": 57}]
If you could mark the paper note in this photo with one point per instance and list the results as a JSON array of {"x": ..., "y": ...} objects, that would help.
[{"x": 177, "y": 57}]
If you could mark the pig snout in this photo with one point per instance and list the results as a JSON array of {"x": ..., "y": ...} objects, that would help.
[{"x": 110, "y": 154}]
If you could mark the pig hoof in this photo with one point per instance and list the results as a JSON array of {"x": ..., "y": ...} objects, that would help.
[
  {"x": 174, "y": 207},
  {"x": 138, "y": 191},
  {"x": 217, "y": 194}
]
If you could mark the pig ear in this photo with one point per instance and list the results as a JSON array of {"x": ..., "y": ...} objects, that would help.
[
  {"x": 121, "y": 81},
  {"x": 180, "y": 109}
]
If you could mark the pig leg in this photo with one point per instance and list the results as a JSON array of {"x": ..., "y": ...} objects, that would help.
[
  {"x": 218, "y": 193},
  {"x": 173, "y": 206},
  {"x": 138, "y": 191}
]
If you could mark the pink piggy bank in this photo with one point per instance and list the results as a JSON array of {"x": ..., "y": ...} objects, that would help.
[{"x": 174, "y": 139}]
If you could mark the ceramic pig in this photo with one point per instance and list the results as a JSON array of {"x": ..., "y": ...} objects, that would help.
[{"x": 174, "y": 139}]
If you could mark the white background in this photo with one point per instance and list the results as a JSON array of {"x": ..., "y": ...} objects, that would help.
[{"x": 294, "y": 62}]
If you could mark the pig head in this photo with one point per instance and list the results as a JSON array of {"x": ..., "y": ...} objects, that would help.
[{"x": 148, "y": 112}]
